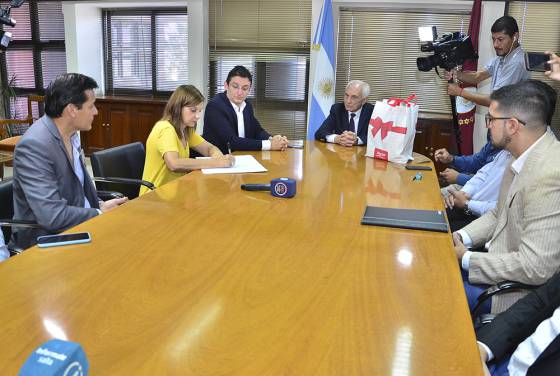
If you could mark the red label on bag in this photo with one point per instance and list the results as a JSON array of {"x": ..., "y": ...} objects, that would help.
[
  {"x": 380, "y": 154},
  {"x": 378, "y": 125}
]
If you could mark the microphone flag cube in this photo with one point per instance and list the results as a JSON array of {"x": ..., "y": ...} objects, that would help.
[
  {"x": 56, "y": 358},
  {"x": 283, "y": 187}
]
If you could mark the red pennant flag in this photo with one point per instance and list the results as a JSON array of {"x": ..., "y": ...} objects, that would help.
[{"x": 466, "y": 109}]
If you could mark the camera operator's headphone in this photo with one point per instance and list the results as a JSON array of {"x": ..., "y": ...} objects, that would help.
[{"x": 514, "y": 39}]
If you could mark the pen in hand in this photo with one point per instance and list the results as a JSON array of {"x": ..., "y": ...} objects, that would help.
[{"x": 231, "y": 157}]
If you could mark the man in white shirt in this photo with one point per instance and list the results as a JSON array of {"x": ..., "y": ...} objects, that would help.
[
  {"x": 479, "y": 195},
  {"x": 229, "y": 120},
  {"x": 521, "y": 233}
]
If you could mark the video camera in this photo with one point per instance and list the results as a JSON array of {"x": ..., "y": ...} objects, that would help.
[
  {"x": 450, "y": 51},
  {"x": 5, "y": 19}
]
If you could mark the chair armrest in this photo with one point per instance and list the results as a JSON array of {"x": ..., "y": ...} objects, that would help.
[
  {"x": 483, "y": 319},
  {"x": 18, "y": 223},
  {"x": 503, "y": 287},
  {"x": 109, "y": 195},
  {"x": 125, "y": 181}
]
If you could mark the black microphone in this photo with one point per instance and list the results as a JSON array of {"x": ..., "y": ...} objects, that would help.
[{"x": 255, "y": 187}]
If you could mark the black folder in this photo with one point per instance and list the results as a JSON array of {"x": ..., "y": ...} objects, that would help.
[{"x": 430, "y": 220}]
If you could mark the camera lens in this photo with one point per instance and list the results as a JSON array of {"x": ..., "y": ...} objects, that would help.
[{"x": 425, "y": 64}]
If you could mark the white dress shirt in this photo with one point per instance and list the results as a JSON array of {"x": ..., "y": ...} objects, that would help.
[
  {"x": 77, "y": 166},
  {"x": 484, "y": 187},
  {"x": 331, "y": 137},
  {"x": 4, "y": 253},
  {"x": 266, "y": 144},
  {"x": 532, "y": 347}
]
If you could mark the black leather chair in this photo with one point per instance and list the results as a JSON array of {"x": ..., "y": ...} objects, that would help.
[
  {"x": 120, "y": 169},
  {"x": 503, "y": 287},
  {"x": 7, "y": 213},
  {"x": 6, "y": 205}
]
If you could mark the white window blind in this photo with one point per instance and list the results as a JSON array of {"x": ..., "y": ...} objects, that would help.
[
  {"x": 380, "y": 46},
  {"x": 271, "y": 39},
  {"x": 146, "y": 51},
  {"x": 539, "y": 28}
]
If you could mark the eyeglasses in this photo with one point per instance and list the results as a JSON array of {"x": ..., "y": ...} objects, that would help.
[
  {"x": 489, "y": 119},
  {"x": 244, "y": 89}
]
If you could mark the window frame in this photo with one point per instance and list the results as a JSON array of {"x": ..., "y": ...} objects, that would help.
[
  {"x": 107, "y": 49},
  {"x": 36, "y": 46}
]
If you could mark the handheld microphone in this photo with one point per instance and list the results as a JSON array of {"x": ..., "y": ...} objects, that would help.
[
  {"x": 255, "y": 187},
  {"x": 280, "y": 187}
]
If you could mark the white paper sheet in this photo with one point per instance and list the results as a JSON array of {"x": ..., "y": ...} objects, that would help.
[{"x": 243, "y": 164}]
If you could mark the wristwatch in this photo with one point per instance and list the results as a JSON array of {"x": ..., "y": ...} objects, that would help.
[{"x": 466, "y": 208}]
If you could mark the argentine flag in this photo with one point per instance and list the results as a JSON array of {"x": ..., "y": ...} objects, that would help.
[{"x": 322, "y": 97}]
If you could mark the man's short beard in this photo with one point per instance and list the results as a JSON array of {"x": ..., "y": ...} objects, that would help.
[{"x": 505, "y": 141}]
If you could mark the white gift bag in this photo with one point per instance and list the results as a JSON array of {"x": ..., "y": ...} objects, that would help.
[{"x": 392, "y": 128}]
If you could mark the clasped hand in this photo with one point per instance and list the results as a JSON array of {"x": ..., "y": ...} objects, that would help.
[
  {"x": 278, "y": 142},
  {"x": 347, "y": 138}
]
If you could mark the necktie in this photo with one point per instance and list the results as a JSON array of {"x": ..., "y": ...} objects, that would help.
[{"x": 352, "y": 124}]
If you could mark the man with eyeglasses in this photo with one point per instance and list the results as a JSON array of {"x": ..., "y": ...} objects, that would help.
[
  {"x": 525, "y": 339},
  {"x": 507, "y": 68},
  {"x": 521, "y": 234},
  {"x": 229, "y": 120}
]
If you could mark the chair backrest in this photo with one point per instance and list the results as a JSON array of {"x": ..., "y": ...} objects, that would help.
[
  {"x": 10, "y": 129},
  {"x": 6, "y": 204},
  {"x": 39, "y": 99},
  {"x": 125, "y": 161}
]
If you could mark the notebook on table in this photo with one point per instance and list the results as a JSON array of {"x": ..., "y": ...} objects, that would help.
[{"x": 429, "y": 220}]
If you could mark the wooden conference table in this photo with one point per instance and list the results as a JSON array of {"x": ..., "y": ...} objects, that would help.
[{"x": 201, "y": 278}]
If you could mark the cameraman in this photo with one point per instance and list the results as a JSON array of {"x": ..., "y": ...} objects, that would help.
[{"x": 505, "y": 69}]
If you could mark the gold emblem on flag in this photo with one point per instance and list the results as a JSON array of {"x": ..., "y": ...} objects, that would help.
[
  {"x": 316, "y": 47},
  {"x": 326, "y": 86}
]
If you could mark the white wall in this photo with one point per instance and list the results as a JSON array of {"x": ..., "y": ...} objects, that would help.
[{"x": 490, "y": 12}]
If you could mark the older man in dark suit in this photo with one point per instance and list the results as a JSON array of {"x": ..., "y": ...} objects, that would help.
[
  {"x": 347, "y": 123},
  {"x": 51, "y": 184}
]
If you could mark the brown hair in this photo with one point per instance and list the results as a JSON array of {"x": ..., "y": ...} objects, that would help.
[{"x": 183, "y": 96}]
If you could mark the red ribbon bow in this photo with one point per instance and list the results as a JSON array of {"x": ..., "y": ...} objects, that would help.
[{"x": 378, "y": 125}]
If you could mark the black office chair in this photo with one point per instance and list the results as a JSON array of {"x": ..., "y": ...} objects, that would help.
[
  {"x": 120, "y": 169},
  {"x": 7, "y": 213},
  {"x": 503, "y": 287}
]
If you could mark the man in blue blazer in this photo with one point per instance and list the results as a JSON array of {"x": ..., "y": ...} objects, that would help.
[
  {"x": 51, "y": 184},
  {"x": 347, "y": 123},
  {"x": 229, "y": 120}
]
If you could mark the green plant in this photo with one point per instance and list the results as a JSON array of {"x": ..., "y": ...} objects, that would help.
[{"x": 8, "y": 94}]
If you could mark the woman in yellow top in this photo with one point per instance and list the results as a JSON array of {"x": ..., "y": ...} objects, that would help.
[{"x": 167, "y": 148}]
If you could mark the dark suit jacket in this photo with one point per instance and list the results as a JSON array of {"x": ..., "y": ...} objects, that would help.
[
  {"x": 220, "y": 126},
  {"x": 514, "y": 325},
  {"x": 46, "y": 189},
  {"x": 338, "y": 122}
]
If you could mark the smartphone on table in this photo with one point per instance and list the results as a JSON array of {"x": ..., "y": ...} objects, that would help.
[
  {"x": 537, "y": 61},
  {"x": 63, "y": 239},
  {"x": 416, "y": 167}
]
